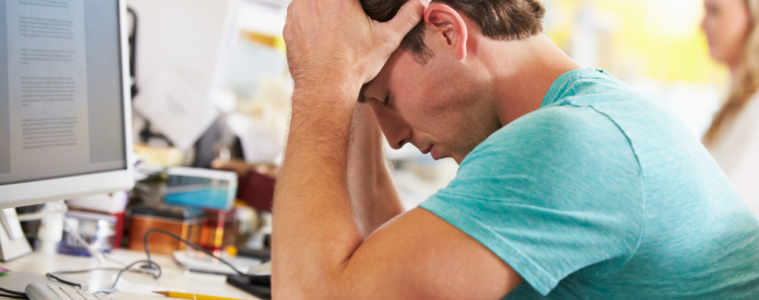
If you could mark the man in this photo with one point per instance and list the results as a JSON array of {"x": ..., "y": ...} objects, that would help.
[{"x": 570, "y": 184}]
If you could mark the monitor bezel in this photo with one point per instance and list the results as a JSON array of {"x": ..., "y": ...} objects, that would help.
[{"x": 68, "y": 187}]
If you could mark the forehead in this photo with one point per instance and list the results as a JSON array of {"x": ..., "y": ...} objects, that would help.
[{"x": 402, "y": 68}]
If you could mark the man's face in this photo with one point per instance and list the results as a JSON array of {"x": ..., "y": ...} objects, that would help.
[{"x": 442, "y": 106}]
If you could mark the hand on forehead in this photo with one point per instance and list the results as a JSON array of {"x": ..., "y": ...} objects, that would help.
[{"x": 333, "y": 42}]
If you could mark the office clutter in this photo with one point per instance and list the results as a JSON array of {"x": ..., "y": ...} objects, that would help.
[
  {"x": 229, "y": 106},
  {"x": 194, "y": 116},
  {"x": 196, "y": 204},
  {"x": 210, "y": 221},
  {"x": 239, "y": 124}
]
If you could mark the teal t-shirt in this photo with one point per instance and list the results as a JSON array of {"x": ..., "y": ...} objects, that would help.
[{"x": 599, "y": 194}]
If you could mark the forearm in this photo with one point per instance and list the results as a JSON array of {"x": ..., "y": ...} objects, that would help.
[
  {"x": 332, "y": 50},
  {"x": 374, "y": 199},
  {"x": 314, "y": 232}
]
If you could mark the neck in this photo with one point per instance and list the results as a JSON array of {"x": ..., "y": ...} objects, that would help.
[{"x": 523, "y": 71}]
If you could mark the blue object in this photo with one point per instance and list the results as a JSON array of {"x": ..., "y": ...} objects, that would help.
[
  {"x": 201, "y": 188},
  {"x": 214, "y": 198},
  {"x": 600, "y": 194}
]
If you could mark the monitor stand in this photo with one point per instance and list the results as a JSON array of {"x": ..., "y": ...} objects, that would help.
[{"x": 13, "y": 244}]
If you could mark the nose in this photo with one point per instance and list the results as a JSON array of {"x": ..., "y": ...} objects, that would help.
[{"x": 396, "y": 130}]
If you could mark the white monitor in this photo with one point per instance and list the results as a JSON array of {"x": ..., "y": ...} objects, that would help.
[{"x": 64, "y": 100}]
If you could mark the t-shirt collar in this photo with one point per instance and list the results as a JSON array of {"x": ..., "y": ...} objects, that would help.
[{"x": 562, "y": 85}]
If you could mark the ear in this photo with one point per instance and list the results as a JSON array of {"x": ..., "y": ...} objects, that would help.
[{"x": 446, "y": 23}]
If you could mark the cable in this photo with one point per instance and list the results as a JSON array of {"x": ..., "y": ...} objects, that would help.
[
  {"x": 188, "y": 243},
  {"x": 61, "y": 280},
  {"x": 13, "y": 294},
  {"x": 97, "y": 269},
  {"x": 143, "y": 264},
  {"x": 55, "y": 275},
  {"x": 129, "y": 266}
]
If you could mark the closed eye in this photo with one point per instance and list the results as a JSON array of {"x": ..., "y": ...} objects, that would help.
[
  {"x": 385, "y": 102},
  {"x": 388, "y": 101}
]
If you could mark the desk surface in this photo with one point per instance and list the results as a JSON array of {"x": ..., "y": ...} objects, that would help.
[{"x": 131, "y": 285}]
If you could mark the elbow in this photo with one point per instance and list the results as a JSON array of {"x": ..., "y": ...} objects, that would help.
[
  {"x": 300, "y": 287},
  {"x": 299, "y": 291}
]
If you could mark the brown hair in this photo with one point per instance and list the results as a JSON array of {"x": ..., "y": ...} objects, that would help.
[
  {"x": 498, "y": 19},
  {"x": 745, "y": 83}
]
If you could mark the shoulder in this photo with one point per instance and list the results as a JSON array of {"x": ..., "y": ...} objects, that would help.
[
  {"x": 555, "y": 133},
  {"x": 556, "y": 148}
]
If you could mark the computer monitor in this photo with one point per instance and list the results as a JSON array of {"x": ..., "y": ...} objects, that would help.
[{"x": 64, "y": 101}]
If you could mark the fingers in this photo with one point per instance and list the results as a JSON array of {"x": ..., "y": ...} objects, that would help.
[
  {"x": 407, "y": 17},
  {"x": 288, "y": 19}
]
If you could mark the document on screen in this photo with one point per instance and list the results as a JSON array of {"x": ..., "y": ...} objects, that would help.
[{"x": 47, "y": 84}]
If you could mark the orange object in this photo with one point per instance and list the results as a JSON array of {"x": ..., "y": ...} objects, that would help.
[
  {"x": 273, "y": 42},
  {"x": 231, "y": 251},
  {"x": 159, "y": 243},
  {"x": 219, "y": 230}
]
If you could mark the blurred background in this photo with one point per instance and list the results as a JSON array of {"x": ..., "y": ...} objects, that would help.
[{"x": 657, "y": 46}]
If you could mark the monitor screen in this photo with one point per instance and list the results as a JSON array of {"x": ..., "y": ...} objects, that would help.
[{"x": 61, "y": 97}]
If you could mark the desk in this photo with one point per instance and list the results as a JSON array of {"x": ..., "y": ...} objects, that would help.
[{"x": 130, "y": 286}]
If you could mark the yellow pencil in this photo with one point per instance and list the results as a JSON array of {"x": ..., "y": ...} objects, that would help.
[{"x": 192, "y": 296}]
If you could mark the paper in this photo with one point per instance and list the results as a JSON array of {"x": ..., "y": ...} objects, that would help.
[
  {"x": 260, "y": 143},
  {"x": 181, "y": 48},
  {"x": 179, "y": 106}
]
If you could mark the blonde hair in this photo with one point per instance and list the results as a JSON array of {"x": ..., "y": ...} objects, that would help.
[{"x": 746, "y": 81}]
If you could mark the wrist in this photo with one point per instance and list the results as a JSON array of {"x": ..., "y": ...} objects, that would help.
[
  {"x": 322, "y": 109},
  {"x": 336, "y": 85},
  {"x": 324, "y": 101}
]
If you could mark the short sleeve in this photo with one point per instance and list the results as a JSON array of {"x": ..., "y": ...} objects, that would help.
[{"x": 555, "y": 191}]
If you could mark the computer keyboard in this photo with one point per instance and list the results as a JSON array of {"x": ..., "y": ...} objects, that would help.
[{"x": 55, "y": 291}]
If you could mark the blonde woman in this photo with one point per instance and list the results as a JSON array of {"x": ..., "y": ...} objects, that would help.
[{"x": 733, "y": 137}]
